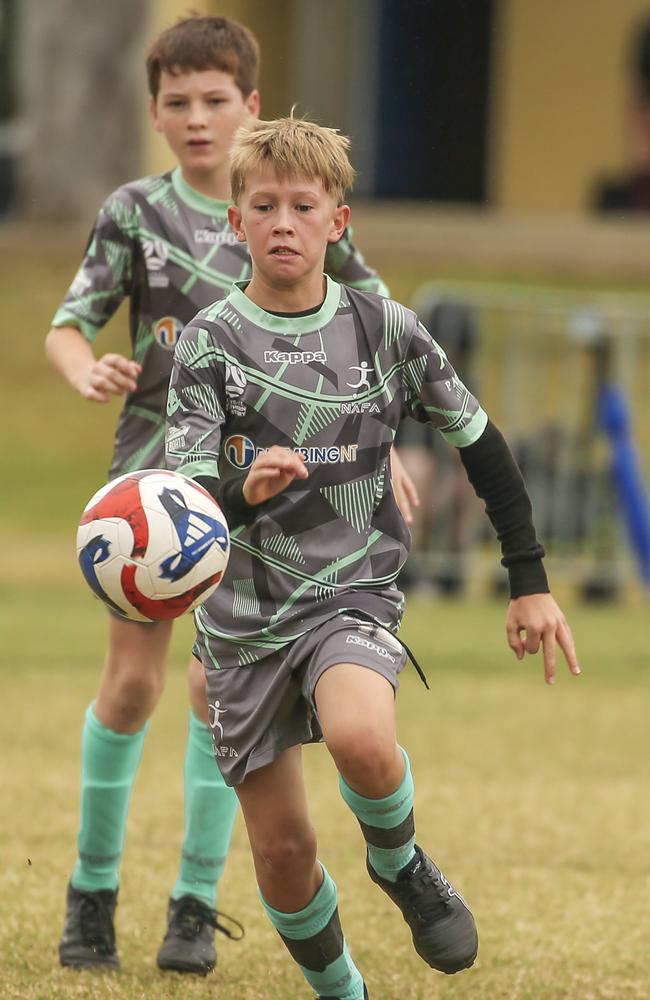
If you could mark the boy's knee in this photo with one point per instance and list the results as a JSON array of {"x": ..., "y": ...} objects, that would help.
[
  {"x": 369, "y": 763},
  {"x": 282, "y": 853},
  {"x": 132, "y": 688}
]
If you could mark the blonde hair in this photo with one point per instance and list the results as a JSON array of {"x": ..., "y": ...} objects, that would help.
[{"x": 291, "y": 147}]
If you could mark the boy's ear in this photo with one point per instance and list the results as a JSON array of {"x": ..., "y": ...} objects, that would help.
[
  {"x": 234, "y": 218},
  {"x": 252, "y": 103},
  {"x": 339, "y": 223},
  {"x": 153, "y": 112}
]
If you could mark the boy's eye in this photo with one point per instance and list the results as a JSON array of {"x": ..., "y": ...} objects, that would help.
[
  {"x": 263, "y": 207},
  {"x": 216, "y": 100},
  {"x": 304, "y": 208},
  {"x": 175, "y": 103}
]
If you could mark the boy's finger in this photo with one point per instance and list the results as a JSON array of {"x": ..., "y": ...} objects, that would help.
[
  {"x": 515, "y": 641},
  {"x": 566, "y": 644},
  {"x": 548, "y": 645}
]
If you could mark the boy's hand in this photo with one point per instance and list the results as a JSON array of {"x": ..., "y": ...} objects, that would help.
[
  {"x": 542, "y": 620},
  {"x": 404, "y": 489},
  {"x": 110, "y": 375},
  {"x": 271, "y": 472}
]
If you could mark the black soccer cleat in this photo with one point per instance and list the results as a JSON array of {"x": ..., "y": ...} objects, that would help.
[
  {"x": 442, "y": 926},
  {"x": 88, "y": 940},
  {"x": 189, "y": 942}
]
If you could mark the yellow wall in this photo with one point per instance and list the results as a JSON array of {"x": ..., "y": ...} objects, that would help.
[{"x": 558, "y": 108}]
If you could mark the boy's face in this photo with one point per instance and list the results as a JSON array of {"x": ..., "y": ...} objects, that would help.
[
  {"x": 287, "y": 224},
  {"x": 199, "y": 112}
]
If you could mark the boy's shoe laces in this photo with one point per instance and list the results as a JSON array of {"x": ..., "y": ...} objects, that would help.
[{"x": 191, "y": 915}]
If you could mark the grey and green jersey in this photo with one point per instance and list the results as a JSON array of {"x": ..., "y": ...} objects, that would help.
[
  {"x": 332, "y": 385},
  {"x": 170, "y": 251}
]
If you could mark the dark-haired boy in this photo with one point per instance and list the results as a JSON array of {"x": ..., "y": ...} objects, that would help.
[
  {"x": 298, "y": 642},
  {"x": 165, "y": 243}
]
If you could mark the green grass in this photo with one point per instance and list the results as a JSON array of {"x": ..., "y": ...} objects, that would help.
[{"x": 533, "y": 799}]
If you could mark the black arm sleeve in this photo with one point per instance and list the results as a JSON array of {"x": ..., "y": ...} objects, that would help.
[
  {"x": 495, "y": 476},
  {"x": 229, "y": 495}
]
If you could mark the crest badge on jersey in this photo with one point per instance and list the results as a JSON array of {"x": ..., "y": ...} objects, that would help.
[
  {"x": 236, "y": 383},
  {"x": 156, "y": 254},
  {"x": 240, "y": 451},
  {"x": 167, "y": 331}
]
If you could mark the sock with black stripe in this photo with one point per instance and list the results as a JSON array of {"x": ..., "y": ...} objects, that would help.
[
  {"x": 387, "y": 824},
  {"x": 315, "y": 941}
]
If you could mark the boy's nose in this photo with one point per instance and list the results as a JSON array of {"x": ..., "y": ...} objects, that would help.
[
  {"x": 198, "y": 116},
  {"x": 283, "y": 222}
]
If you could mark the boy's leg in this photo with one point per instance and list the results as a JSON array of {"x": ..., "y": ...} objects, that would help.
[
  {"x": 210, "y": 811},
  {"x": 355, "y": 706},
  {"x": 298, "y": 894},
  {"x": 111, "y": 748}
]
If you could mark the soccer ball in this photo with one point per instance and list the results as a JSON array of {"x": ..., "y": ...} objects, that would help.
[{"x": 153, "y": 545}]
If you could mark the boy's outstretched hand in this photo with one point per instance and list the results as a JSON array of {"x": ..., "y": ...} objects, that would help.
[
  {"x": 271, "y": 472},
  {"x": 542, "y": 620}
]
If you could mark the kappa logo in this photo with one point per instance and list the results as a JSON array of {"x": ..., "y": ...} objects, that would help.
[
  {"x": 167, "y": 331},
  {"x": 293, "y": 357},
  {"x": 214, "y": 238},
  {"x": 358, "y": 640}
]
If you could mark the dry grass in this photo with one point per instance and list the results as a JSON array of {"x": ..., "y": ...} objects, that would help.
[{"x": 534, "y": 800}]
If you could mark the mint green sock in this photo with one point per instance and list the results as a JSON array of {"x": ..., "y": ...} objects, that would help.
[
  {"x": 109, "y": 764},
  {"x": 315, "y": 941},
  {"x": 210, "y": 810},
  {"x": 387, "y": 824}
]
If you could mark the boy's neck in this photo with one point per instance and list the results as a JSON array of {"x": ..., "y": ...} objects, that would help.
[
  {"x": 215, "y": 184},
  {"x": 297, "y": 298}
]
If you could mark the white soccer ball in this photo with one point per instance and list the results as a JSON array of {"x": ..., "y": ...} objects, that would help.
[{"x": 153, "y": 545}]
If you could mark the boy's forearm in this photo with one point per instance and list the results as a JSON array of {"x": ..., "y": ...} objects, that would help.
[
  {"x": 69, "y": 353},
  {"x": 496, "y": 478}
]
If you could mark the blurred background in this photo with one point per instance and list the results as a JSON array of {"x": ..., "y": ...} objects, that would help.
[{"x": 502, "y": 149}]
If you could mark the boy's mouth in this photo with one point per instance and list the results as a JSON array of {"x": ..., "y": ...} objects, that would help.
[
  {"x": 282, "y": 251},
  {"x": 199, "y": 142}
]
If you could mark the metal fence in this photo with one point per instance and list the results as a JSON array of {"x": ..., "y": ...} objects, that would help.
[{"x": 566, "y": 376}]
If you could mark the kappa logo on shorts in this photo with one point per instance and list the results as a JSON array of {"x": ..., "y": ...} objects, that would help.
[
  {"x": 215, "y": 711},
  {"x": 358, "y": 640}
]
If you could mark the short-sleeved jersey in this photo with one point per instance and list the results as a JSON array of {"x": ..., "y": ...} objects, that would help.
[
  {"x": 171, "y": 251},
  {"x": 332, "y": 385}
]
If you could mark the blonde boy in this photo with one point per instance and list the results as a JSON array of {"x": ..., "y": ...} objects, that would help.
[{"x": 298, "y": 643}]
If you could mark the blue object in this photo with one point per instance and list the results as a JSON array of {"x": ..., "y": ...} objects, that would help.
[{"x": 614, "y": 418}]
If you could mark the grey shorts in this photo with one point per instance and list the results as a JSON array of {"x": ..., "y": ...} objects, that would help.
[{"x": 258, "y": 711}]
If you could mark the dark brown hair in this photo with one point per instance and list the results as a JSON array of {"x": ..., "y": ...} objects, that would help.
[{"x": 201, "y": 42}]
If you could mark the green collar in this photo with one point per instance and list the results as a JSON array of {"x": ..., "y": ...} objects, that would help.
[
  {"x": 286, "y": 324},
  {"x": 196, "y": 200}
]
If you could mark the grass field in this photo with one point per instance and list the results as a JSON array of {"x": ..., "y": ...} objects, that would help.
[{"x": 534, "y": 800}]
